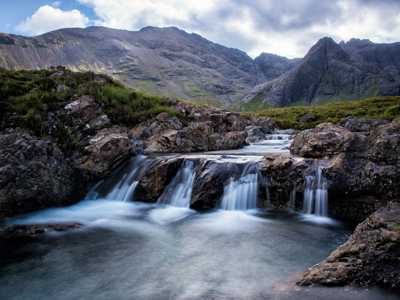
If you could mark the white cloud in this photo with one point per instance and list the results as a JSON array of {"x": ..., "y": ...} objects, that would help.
[
  {"x": 48, "y": 18},
  {"x": 287, "y": 27},
  {"x": 284, "y": 27}
]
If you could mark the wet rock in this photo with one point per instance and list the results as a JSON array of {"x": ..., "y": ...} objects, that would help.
[
  {"x": 284, "y": 174},
  {"x": 34, "y": 174},
  {"x": 370, "y": 257},
  {"x": 229, "y": 140},
  {"x": 199, "y": 128},
  {"x": 155, "y": 178},
  {"x": 25, "y": 232},
  {"x": 255, "y": 134},
  {"x": 210, "y": 181},
  {"x": 105, "y": 150},
  {"x": 325, "y": 140}
]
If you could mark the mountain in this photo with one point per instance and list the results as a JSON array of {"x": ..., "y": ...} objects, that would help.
[
  {"x": 331, "y": 71},
  {"x": 169, "y": 61},
  {"x": 165, "y": 61},
  {"x": 270, "y": 66}
]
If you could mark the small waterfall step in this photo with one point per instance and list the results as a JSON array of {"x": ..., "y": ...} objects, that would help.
[
  {"x": 179, "y": 192},
  {"x": 121, "y": 185},
  {"x": 316, "y": 194},
  {"x": 241, "y": 193}
]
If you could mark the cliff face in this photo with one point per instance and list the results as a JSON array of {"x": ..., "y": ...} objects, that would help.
[{"x": 332, "y": 71}]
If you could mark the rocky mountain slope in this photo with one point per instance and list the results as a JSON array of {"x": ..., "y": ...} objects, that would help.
[
  {"x": 165, "y": 61},
  {"x": 172, "y": 62},
  {"x": 331, "y": 71}
]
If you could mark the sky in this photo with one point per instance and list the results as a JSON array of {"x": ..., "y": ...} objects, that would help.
[{"x": 285, "y": 27}]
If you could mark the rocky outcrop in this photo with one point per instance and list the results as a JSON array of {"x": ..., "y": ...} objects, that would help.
[
  {"x": 81, "y": 148},
  {"x": 198, "y": 129},
  {"x": 361, "y": 125},
  {"x": 34, "y": 174},
  {"x": 325, "y": 140},
  {"x": 105, "y": 150},
  {"x": 362, "y": 167},
  {"x": 369, "y": 258}
]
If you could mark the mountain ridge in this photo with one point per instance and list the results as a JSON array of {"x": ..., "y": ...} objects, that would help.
[{"x": 172, "y": 62}]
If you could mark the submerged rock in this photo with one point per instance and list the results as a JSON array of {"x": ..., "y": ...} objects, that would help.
[
  {"x": 370, "y": 256},
  {"x": 34, "y": 174},
  {"x": 24, "y": 232}
]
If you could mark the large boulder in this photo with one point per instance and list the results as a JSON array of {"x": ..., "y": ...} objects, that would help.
[
  {"x": 211, "y": 179},
  {"x": 370, "y": 257},
  {"x": 361, "y": 125},
  {"x": 384, "y": 144},
  {"x": 325, "y": 140},
  {"x": 106, "y": 149},
  {"x": 284, "y": 175},
  {"x": 34, "y": 174}
]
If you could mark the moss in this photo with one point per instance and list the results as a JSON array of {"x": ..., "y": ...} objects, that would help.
[
  {"x": 395, "y": 227},
  {"x": 370, "y": 108}
]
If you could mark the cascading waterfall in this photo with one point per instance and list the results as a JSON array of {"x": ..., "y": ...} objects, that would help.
[
  {"x": 316, "y": 194},
  {"x": 124, "y": 188},
  {"x": 179, "y": 192},
  {"x": 241, "y": 194}
]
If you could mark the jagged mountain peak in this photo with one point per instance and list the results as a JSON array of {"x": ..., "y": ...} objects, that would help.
[{"x": 325, "y": 49}]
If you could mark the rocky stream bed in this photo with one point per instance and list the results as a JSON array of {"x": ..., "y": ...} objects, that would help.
[{"x": 219, "y": 206}]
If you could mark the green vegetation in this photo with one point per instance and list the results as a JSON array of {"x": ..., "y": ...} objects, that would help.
[
  {"x": 128, "y": 107},
  {"x": 303, "y": 117},
  {"x": 27, "y": 98}
]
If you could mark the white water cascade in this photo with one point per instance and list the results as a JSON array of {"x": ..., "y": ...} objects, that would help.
[
  {"x": 241, "y": 193},
  {"x": 179, "y": 192},
  {"x": 316, "y": 194},
  {"x": 124, "y": 188}
]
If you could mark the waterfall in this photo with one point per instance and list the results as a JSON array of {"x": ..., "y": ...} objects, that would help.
[
  {"x": 316, "y": 194},
  {"x": 179, "y": 191},
  {"x": 123, "y": 183},
  {"x": 241, "y": 193}
]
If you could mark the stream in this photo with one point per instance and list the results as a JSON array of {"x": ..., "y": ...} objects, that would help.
[{"x": 165, "y": 250}]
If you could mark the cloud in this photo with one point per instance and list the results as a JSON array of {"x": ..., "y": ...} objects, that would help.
[
  {"x": 286, "y": 27},
  {"x": 48, "y": 18}
]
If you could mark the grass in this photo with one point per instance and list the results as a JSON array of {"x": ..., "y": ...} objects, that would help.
[
  {"x": 28, "y": 98},
  {"x": 335, "y": 112}
]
